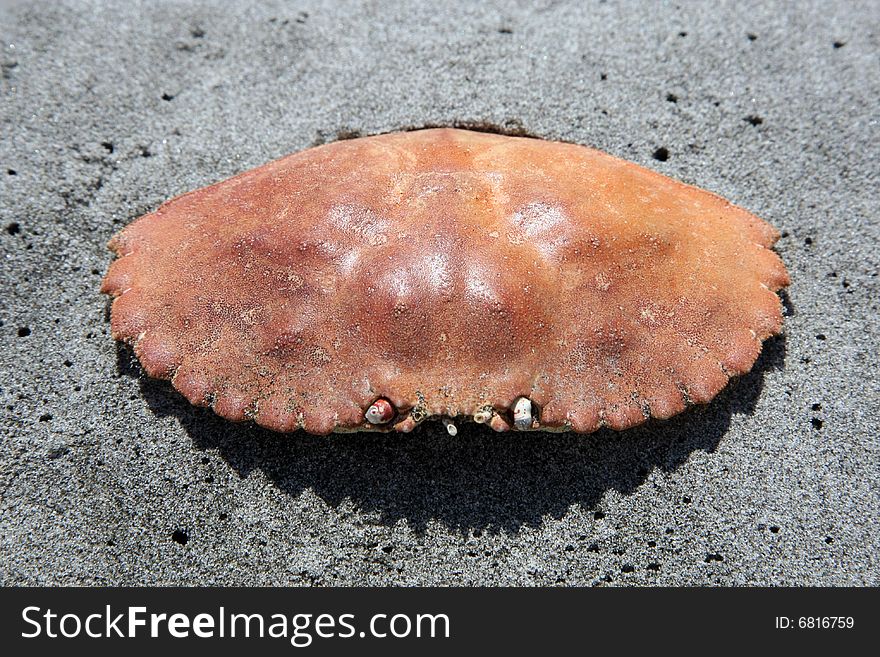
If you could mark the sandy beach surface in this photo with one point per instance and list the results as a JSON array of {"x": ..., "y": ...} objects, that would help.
[{"x": 110, "y": 108}]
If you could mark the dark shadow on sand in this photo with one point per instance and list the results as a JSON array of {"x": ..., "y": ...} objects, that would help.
[{"x": 477, "y": 480}]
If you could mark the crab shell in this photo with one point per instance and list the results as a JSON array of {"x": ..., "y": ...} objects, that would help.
[{"x": 450, "y": 273}]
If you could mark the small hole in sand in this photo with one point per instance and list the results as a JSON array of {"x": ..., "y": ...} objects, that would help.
[{"x": 661, "y": 154}]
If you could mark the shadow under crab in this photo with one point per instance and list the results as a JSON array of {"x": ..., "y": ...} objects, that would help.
[{"x": 478, "y": 480}]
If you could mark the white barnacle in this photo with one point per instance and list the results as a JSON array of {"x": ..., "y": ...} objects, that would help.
[
  {"x": 380, "y": 412},
  {"x": 450, "y": 426},
  {"x": 483, "y": 416},
  {"x": 522, "y": 414}
]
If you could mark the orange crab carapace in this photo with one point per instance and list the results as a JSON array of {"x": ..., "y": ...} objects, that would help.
[{"x": 376, "y": 282}]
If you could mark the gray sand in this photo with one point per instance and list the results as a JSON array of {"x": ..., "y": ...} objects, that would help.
[{"x": 110, "y": 108}]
